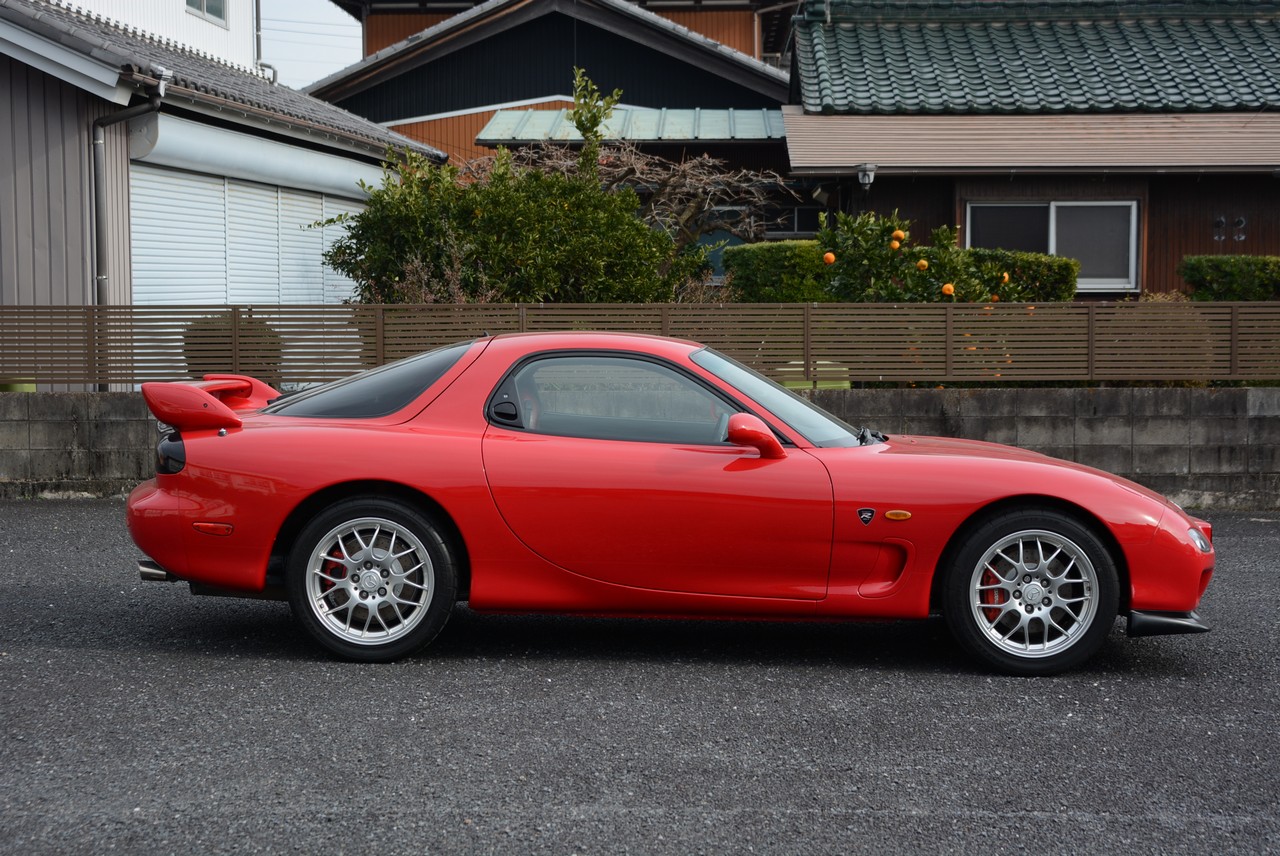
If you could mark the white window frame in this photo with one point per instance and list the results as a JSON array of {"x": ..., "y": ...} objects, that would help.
[
  {"x": 1130, "y": 283},
  {"x": 203, "y": 13}
]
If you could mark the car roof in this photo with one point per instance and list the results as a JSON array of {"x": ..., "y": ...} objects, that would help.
[{"x": 550, "y": 340}]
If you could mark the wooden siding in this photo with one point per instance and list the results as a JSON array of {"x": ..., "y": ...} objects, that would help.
[
  {"x": 382, "y": 30},
  {"x": 1052, "y": 143},
  {"x": 1182, "y": 214},
  {"x": 46, "y": 192},
  {"x": 737, "y": 30},
  {"x": 456, "y": 135}
]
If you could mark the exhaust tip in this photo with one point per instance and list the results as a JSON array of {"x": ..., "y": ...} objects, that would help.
[{"x": 153, "y": 573}]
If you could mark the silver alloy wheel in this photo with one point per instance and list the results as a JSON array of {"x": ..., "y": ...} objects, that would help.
[
  {"x": 1034, "y": 594},
  {"x": 369, "y": 581}
]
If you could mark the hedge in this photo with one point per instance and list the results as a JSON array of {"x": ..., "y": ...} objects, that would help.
[
  {"x": 778, "y": 272},
  {"x": 1232, "y": 277}
]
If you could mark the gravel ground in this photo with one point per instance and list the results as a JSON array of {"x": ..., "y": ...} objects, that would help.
[{"x": 139, "y": 719}]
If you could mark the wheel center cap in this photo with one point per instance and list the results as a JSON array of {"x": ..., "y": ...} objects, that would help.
[
  {"x": 369, "y": 581},
  {"x": 1033, "y": 593}
]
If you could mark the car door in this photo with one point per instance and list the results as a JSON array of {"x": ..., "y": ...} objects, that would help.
[{"x": 614, "y": 466}]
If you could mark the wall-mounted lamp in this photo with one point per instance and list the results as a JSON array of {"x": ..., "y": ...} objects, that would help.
[{"x": 866, "y": 175}]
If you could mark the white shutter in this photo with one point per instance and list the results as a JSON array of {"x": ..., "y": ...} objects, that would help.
[
  {"x": 337, "y": 287},
  {"x": 253, "y": 247},
  {"x": 301, "y": 267},
  {"x": 203, "y": 239},
  {"x": 179, "y": 237}
]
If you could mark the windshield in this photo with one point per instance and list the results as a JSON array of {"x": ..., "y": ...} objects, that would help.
[
  {"x": 377, "y": 392},
  {"x": 815, "y": 424}
]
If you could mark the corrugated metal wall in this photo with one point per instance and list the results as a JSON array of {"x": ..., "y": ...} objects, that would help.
[
  {"x": 46, "y": 197},
  {"x": 382, "y": 30},
  {"x": 732, "y": 29},
  {"x": 536, "y": 60},
  {"x": 457, "y": 134}
]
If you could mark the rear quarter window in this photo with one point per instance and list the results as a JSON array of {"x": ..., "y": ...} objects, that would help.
[{"x": 377, "y": 392}]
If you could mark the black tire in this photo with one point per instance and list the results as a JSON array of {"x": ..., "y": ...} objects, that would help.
[
  {"x": 372, "y": 579},
  {"x": 1031, "y": 592}
]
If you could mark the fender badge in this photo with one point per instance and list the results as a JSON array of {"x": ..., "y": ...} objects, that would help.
[
  {"x": 897, "y": 515},
  {"x": 866, "y": 514}
]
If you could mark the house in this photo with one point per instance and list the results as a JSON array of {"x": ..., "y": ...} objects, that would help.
[
  {"x": 161, "y": 165},
  {"x": 1125, "y": 134},
  {"x": 520, "y": 54}
]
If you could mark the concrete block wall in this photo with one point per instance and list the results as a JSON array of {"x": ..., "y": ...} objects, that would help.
[
  {"x": 74, "y": 442},
  {"x": 1215, "y": 448},
  {"x": 1200, "y": 447}
]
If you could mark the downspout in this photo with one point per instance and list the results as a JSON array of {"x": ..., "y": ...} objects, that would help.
[
  {"x": 152, "y": 105},
  {"x": 257, "y": 43}
]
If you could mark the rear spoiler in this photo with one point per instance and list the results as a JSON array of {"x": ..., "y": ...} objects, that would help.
[{"x": 209, "y": 403}]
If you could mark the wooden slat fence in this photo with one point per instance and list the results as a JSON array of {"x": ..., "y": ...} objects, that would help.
[{"x": 802, "y": 344}]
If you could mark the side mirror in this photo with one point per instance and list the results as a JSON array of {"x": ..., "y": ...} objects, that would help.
[{"x": 748, "y": 430}]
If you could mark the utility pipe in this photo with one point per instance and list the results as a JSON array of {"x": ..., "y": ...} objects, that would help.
[{"x": 101, "y": 256}]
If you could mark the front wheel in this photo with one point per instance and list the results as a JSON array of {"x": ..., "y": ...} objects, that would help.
[
  {"x": 1031, "y": 593},
  {"x": 371, "y": 579}
]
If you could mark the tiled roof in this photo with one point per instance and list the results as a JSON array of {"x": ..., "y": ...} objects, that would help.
[
  {"x": 202, "y": 79},
  {"x": 637, "y": 125},
  {"x": 1059, "y": 56}
]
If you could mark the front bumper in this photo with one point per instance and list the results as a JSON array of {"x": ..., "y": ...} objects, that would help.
[{"x": 1165, "y": 623}]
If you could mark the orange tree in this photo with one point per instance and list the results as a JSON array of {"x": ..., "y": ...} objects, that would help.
[{"x": 874, "y": 259}]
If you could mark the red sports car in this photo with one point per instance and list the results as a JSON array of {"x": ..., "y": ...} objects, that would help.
[{"x": 601, "y": 473}]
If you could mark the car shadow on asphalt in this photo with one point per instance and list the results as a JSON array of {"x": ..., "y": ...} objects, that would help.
[{"x": 264, "y": 630}]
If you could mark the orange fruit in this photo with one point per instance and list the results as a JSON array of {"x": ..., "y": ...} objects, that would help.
[
  {"x": 893, "y": 245},
  {"x": 995, "y": 298},
  {"x": 922, "y": 265},
  {"x": 899, "y": 235},
  {"x": 948, "y": 289},
  {"x": 829, "y": 258},
  {"x": 1004, "y": 278}
]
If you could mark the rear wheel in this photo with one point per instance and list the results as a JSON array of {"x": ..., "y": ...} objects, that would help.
[
  {"x": 372, "y": 579},
  {"x": 1031, "y": 592}
]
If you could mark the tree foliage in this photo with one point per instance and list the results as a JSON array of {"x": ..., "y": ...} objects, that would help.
[
  {"x": 507, "y": 230},
  {"x": 873, "y": 259}
]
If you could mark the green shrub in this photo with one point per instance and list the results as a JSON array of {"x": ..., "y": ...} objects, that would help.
[
  {"x": 1037, "y": 276},
  {"x": 778, "y": 272},
  {"x": 1232, "y": 277}
]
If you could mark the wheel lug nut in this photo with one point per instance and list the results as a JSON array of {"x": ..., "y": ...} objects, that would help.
[
  {"x": 355, "y": 578},
  {"x": 382, "y": 592},
  {"x": 1030, "y": 609},
  {"x": 1047, "y": 601},
  {"x": 1017, "y": 593},
  {"x": 368, "y": 565},
  {"x": 386, "y": 574}
]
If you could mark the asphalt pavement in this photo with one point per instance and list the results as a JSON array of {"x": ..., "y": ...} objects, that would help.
[{"x": 139, "y": 719}]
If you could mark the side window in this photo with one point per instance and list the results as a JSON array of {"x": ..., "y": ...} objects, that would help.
[{"x": 610, "y": 398}]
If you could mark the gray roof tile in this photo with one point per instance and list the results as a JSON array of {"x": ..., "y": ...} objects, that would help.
[
  {"x": 201, "y": 77},
  {"x": 1018, "y": 56}
]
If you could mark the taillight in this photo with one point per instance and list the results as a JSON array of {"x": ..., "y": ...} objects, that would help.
[{"x": 171, "y": 454}]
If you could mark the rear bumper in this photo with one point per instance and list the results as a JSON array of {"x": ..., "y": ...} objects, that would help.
[{"x": 1165, "y": 623}]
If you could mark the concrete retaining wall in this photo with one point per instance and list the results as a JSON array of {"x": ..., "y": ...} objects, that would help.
[{"x": 1201, "y": 447}]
